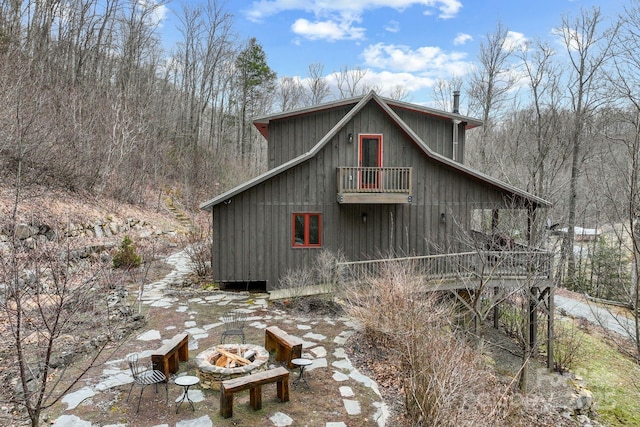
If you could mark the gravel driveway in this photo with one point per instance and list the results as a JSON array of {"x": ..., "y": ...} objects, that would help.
[{"x": 595, "y": 314}]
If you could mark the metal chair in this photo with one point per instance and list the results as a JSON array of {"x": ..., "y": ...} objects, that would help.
[
  {"x": 144, "y": 376},
  {"x": 234, "y": 325}
]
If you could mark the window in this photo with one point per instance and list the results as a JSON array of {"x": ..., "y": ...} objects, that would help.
[{"x": 307, "y": 230}]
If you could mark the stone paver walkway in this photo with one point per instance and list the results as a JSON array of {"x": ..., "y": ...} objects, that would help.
[{"x": 154, "y": 295}]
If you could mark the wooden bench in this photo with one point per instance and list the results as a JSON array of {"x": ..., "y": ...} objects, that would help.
[
  {"x": 287, "y": 347},
  {"x": 253, "y": 383},
  {"x": 166, "y": 358}
]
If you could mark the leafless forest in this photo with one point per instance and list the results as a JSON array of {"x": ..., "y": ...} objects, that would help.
[{"x": 92, "y": 99}]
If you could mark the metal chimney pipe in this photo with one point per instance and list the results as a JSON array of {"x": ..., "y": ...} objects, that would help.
[
  {"x": 456, "y": 101},
  {"x": 456, "y": 122}
]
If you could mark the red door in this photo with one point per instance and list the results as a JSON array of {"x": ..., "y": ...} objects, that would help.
[{"x": 370, "y": 158}]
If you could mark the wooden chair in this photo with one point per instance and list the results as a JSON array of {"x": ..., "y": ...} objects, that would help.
[
  {"x": 144, "y": 377},
  {"x": 233, "y": 325}
]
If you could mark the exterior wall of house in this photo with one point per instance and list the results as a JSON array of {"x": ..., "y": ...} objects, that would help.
[
  {"x": 252, "y": 232},
  {"x": 294, "y": 136},
  {"x": 436, "y": 132}
]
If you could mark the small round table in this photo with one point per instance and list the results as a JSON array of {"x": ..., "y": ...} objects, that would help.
[
  {"x": 301, "y": 364},
  {"x": 186, "y": 381}
]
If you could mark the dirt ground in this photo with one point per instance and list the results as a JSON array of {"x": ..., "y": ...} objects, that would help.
[
  {"x": 312, "y": 406},
  {"x": 321, "y": 402}
]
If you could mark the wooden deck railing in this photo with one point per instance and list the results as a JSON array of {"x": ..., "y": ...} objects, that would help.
[
  {"x": 374, "y": 180},
  {"x": 466, "y": 265}
]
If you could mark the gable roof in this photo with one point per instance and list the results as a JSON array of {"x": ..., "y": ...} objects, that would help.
[
  {"x": 262, "y": 122},
  {"x": 527, "y": 198}
]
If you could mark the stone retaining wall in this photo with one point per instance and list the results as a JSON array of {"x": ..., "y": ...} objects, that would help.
[{"x": 31, "y": 234}]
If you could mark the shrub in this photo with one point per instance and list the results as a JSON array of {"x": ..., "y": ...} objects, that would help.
[
  {"x": 198, "y": 248},
  {"x": 567, "y": 346},
  {"x": 126, "y": 256},
  {"x": 442, "y": 375},
  {"x": 322, "y": 271}
]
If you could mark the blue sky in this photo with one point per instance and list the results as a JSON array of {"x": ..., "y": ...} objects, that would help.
[{"x": 409, "y": 42}]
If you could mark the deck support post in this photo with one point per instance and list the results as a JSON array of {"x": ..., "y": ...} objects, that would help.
[
  {"x": 533, "y": 320},
  {"x": 550, "y": 332},
  {"x": 496, "y": 309}
]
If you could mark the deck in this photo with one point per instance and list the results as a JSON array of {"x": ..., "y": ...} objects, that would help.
[{"x": 466, "y": 270}]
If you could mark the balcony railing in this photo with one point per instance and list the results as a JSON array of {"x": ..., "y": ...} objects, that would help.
[
  {"x": 465, "y": 267},
  {"x": 374, "y": 185}
]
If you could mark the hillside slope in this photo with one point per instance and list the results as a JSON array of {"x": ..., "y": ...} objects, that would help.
[{"x": 90, "y": 220}]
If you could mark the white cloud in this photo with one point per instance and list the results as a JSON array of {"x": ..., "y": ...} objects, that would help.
[
  {"x": 327, "y": 30},
  {"x": 448, "y": 8},
  {"x": 462, "y": 38},
  {"x": 429, "y": 59},
  {"x": 514, "y": 41},
  {"x": 341, "y": 11},
  {"x": 388, "y": 80},
  {"x": 392, "y": 26}
]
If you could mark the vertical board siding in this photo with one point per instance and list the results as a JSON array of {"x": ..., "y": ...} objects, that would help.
[
  {"x": 436, "y": 132},
  {"x": 293, "y": 136},
  {"x": 252, "y": 234}
]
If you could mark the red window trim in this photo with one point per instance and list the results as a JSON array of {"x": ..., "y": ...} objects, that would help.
[
  {"x": 370, "y": 179},
  {"x": 306, "y": 243}
]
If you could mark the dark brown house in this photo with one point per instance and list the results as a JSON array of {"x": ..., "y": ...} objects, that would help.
[{"x": 368, "y": 177}]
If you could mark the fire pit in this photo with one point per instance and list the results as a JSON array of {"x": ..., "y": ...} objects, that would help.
[{"x": 226, "y": 361}]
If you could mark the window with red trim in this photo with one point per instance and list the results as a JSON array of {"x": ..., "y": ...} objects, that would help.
[{"x": 306, "y": 230}]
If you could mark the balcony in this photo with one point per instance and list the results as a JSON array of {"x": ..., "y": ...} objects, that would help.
[{"x": 374, "y": 185}]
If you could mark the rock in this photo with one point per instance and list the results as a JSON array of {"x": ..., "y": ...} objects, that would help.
[
  {"x": 30, "y": 243},
  {"x": 583, "y": 420},
  {"x": 113, "y": 228},
  {"x": 51, "y": 235},
  {"x": 30, "y": 276},
  {"x": 582, "y": 401},
  {"x": 61, "y": 360},
  {"x": 99, "y": 232},
  {"x": 43, "y": 229},
  {"x": 24, "y": 231}
]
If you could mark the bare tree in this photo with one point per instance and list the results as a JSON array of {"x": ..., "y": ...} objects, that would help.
[
  {"x": 443, "y": 92},
  {"x": 400, "y": 93},
  {"x": 588, "y": 50},
  {"x": 619, "y": 158},
  {"x": 290, "y": 93},
  {"x": 490, "y": 86},
  {"x": 43, "y": 312},
  {"x": 543, "y": 77},
  {"x": 51, "y": 309},
  {"x": 350, "y": 82},
  {"x": 317, "y": 83}
]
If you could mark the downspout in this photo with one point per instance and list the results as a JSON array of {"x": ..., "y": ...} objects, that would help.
[{"x": 456, "y": 122}]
